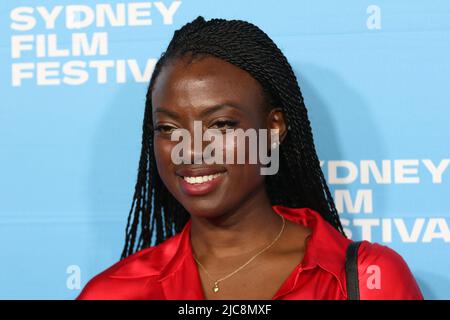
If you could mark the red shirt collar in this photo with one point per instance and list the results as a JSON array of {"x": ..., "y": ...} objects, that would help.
[{"x": 325, "y": 248}]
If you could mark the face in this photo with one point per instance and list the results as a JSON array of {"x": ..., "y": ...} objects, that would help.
[{"x": 221, "y": 96}]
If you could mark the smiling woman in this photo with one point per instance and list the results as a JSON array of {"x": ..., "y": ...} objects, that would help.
[{"x": 224, "y": 230}]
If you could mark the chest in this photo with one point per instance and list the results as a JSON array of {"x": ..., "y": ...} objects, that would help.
[{"x": 261, "y": 280}]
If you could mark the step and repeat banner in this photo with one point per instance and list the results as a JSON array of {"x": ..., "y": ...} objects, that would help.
[{"x": 375, "y": 76}]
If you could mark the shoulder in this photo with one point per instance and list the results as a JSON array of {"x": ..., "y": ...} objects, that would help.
[
  {"x": 133, "y": 277},
  {"x": 384, "y": 274}
]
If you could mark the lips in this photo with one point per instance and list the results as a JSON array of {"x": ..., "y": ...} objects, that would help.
[
  {"x": 199, "y": 171},
  {"x": 201, "y": 180}
]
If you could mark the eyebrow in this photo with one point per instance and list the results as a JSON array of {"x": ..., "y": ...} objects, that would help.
[
  {"x": 203, "y": 113},
  {"x": 167, "y": 112}
]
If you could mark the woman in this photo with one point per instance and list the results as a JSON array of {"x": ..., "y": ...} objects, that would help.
[{"x": 225, "y": 231}]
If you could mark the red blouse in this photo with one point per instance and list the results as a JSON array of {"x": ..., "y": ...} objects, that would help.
[{"x": 168, "y": 270}]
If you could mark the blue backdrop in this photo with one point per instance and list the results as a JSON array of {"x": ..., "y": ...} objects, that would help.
[{"x": 73, "y": 78}]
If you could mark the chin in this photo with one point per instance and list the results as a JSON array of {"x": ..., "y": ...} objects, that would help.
[{"x": 203, "y": 208}]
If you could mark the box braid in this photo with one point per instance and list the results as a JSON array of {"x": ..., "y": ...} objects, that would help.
[{"x": 155, "y": 214}]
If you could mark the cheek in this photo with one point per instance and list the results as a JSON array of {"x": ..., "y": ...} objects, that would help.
[
  {"x": 243, "y": 175},
  {"x": 163, "y": 160},
  {"x": 239, "y": 150},
  {"x": 244, "y": 179}
]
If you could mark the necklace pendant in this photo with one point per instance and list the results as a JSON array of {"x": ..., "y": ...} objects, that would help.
[{"x": 216, "y": 287}]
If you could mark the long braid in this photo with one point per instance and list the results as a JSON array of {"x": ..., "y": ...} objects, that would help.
[{"x": 299, "y": 182}]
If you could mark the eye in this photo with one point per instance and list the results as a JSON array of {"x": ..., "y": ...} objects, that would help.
[
  {"x": 225, "y": 124},
  {"x": 164, "y": 128}
]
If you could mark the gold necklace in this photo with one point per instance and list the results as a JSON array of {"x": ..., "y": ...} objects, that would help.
[{"x": 216, "y": 282}]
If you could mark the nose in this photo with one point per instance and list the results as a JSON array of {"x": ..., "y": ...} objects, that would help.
[
  {"x": 199, "y": 153},
  {"x": 196, "y": 150}
]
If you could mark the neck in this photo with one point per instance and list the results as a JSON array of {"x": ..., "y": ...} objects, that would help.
[{"x": 239, "y": 231}]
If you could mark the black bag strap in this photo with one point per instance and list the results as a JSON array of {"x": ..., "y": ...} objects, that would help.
[{"x": 351, "y": 270}]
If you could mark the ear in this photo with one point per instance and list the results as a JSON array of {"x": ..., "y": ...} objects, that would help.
[{"x": 276, "y": 120}]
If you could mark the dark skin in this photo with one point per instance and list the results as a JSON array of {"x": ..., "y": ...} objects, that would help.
[{"x": 234, "y": 221}]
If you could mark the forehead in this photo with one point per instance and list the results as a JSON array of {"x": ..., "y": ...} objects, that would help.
[{"x": 208, "y": 81}]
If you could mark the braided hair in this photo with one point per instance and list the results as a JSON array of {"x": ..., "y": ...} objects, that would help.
[{"x": 155, "y": 214}]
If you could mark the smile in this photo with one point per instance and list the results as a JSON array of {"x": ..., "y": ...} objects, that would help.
[
  {"x": 202, "y": 179},
  {"x": 200, "y": 185}
]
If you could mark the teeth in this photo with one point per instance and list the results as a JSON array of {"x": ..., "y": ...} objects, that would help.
[{"x": 202, "y": 179}]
